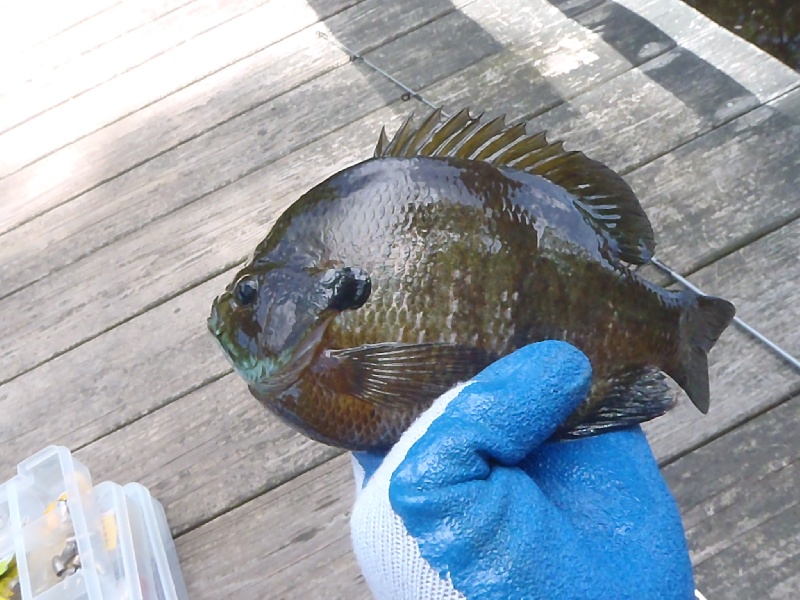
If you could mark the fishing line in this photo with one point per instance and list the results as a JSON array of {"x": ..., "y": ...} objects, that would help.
[
  {"x": 742, "y": 325},
  {"x": 410, "y": 93},
  {"x": 356, "y": 56}
]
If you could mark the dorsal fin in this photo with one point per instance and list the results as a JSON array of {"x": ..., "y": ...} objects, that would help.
[{"x": 606, "y": 201}]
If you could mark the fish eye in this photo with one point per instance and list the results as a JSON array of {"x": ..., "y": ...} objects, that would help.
[
  {"x": 350, "y": 288},
  {"x": 245, "y": 292}
]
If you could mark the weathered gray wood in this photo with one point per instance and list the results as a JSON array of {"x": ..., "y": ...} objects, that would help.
[
  {"x": 73, "y": 230},
  {"x": 134, "y": 368},
  {"x": 212, "y": 449},
  {"x": 738, "y": 496},
  {"x": 57, "y": 254},
  {"x": 26, "y": 24},
  {"x": 752, "y": 68},
  {"x": 106, "y": 26},
  {"x": 266, "y": 187},
  {"x": 84, "y": 60},
  {"x": 715, "y": 193},
  {"x": 745, "y": 379},
  {"x": 556, "y": 64},
  {"x": 228, "y": 153},
  {"x": 196, "y": 58},
  {"x": 112, "y": 380},
  {"x": 176, "y": 251},
  {"x": 276, "y": 547},
  {"x": 765, "y": 562},
  {"x": 651, "y": 110},
  {"x": 760, "y": 279},
  {"x": 196, "y": 108}
]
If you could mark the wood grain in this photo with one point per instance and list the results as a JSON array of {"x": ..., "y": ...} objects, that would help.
[
  {"x": 27, "y": 24},
  {"x": 747, "y": 379},
  {"x": 212, "y": 449},
  {"x": 752, "y": 68},
  {"x": 134, "y": 368},
  {"x": 113, "y": 22},
  {"x": 717, "y": 192},
  {"x": 206, "y": 164},
  {"x": 181, "y": 65},
  {"x": 97, "y": 217},
  {"x": 272, "y": 548},
  {"x": 168, "y": 173},
  {"x": 197, "y": 108},
  {"x": 556, "y": 64},
  {"x": 119, "y": 55},
  {"x": 738, "y": 496}
]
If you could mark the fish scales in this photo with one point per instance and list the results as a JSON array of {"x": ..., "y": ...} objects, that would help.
[{"x": 399, "y": 277}]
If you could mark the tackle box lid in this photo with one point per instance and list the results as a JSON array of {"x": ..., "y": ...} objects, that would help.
[{"x": 71, "y": 540}]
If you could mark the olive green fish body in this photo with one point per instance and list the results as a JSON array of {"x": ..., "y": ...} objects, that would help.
[{"x": 401, "y": 276}]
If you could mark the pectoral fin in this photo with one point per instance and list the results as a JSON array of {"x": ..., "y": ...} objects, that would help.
[{"x": 407, "y": 375}]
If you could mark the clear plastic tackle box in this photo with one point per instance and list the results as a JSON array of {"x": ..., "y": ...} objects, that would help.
[{"x": 74, "y": 541}]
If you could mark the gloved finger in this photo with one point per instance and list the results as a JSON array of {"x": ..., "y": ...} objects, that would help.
[{"x": 449, "y": 464}]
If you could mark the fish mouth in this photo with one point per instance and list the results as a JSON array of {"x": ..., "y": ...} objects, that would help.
[
  {"x": 213, "y": 322},
  {"x": 268, "y": 375},
  {"x": 294, "y": 364}
]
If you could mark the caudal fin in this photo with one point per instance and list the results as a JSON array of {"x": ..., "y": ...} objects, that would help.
[{"x": 703, "y": 320}]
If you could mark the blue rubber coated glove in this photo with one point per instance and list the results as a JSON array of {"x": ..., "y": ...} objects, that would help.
[{"x": 475, "y": 502}]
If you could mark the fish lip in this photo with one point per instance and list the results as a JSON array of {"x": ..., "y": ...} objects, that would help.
[
  {"x": 300, "y": 359},
  {"x": 213, "y": 322}
]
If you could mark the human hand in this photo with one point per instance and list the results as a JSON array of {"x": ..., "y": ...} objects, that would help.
[{"x": 475, "y": 502}]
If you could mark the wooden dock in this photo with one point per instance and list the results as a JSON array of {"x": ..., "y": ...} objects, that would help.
[{"x": 146, "y": 147}]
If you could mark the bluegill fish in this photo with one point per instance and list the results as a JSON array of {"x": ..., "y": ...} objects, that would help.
[{"x": 459, "y": 242}]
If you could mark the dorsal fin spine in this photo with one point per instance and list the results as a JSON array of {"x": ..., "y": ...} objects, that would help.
[
  {"x": 501, "y": 141},
  {"x": 608, "y": 203}
]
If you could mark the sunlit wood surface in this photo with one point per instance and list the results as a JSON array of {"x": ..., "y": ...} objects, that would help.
[{"x": 146, "y": 147}]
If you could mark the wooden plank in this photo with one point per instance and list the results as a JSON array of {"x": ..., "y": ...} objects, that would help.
[
  {"x": 557, "y": 64},
  {"x": 206, "y": 452},
  {"x": 85, "y": 37},
  {"x": 272, "y": 548},
  {"x": 29, "y": 243},
  {"x": 227, "y": 154},
  {"x": 112, "y": 380},
  {"x": 749, "y": 66},
  {"x": 26, "y": 24},
  {"x": 279, "y": 552},
  {"x": 140, "y": 368},
  {"x": 167, "y": 234},
  {"x": 646, "y": 112},
  {"x": 188, "y": 62},
  {"x": 747, "y": 379},
  {"x": 761, "y": 280},
  {"x": 69, "y": 232},
  {"x": 717, "y": 192},
  {"x": 738, "y": 496},
  {"x": 176, "y": 252},
  {"x": 91, "y": 160}
]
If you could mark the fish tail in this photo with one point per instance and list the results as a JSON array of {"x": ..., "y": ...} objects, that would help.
[{"x": 702, "y": 321}]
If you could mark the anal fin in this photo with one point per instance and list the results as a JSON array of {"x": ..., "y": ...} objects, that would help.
[{"x": 634, "y": 397}]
